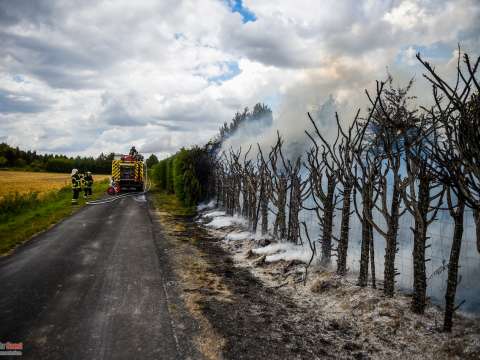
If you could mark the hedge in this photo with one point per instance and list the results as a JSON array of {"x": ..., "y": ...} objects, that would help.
[{"x": 184, "y": 174}]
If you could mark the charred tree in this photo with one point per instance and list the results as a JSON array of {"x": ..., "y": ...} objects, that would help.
[
  {"x": 265, "y": 190},
  {"x": 419, "y": 195},
  {"x": 457, "y": 213},
  {"x": 233, "y": 182},
  {"x": 324, "y": 199},
  {"x": 366, "y": 171},
  {"x": 342, "y": 153},
  {"x": 368, "y": 161},
  {"x": 456, "y": 114},
  {"x": 299, "y": 191},
  {"x": 278, "y": 193},
  {"x": 476, "y": 217},
  {"x": 391, "y": 120},
  {"x": 293, "y": 232},
  {"x": 455, "y": 152},
  {"x": 252, "y": 184}
]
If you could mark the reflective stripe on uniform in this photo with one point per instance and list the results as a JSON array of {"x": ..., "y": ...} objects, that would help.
[{"x": 76, "y": 182}]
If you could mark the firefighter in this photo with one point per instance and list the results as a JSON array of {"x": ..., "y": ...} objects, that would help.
[
  {"x": 133, "y": 151},
  {"x": 76, "y": 186},
  {"x": 87, "y": 184}
]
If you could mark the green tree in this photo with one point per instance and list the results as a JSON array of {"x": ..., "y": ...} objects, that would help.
[
  {"x": 159, "y": 173},
  {"x": 151, "y": 161}
]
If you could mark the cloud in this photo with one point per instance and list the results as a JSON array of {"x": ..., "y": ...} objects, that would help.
[
  {"x": 97, "y": 76},
  {"x": 35, "y": 12},
  {"x": 11, "y": 102},
  {"x": 115, "y": 113}
]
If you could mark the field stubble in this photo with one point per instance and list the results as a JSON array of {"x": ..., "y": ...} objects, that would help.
[
  {"x": 24, "y": 182},
  {"x": 31, "y": 202}
]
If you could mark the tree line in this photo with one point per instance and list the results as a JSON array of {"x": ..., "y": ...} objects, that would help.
[
  {"x": 398, "y": 158},
  {"x": 13, "y": 157}
]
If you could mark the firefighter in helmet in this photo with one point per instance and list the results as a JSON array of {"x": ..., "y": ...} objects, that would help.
[
  {"x": 133, "y": 151},
  {"x": 87, "y": 184},
  {"x": 76, "y": 185}
]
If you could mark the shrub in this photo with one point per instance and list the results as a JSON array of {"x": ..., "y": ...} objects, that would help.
[{"x": 15, "y": 203}]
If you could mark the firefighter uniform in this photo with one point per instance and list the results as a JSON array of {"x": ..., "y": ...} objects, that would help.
[
  {"x": 87, "y": 184},
  {"x": 76, "y": 185},
  {"x": 133, "y": 151},
  {"x": 82, "y": 184}
]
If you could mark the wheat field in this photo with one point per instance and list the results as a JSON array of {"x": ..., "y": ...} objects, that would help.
[{"x": 40, "y": 182}]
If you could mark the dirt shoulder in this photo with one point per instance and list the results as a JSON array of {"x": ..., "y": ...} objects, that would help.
[
  {"x": 247, "y": 308},
  {"x": 238, "y": 317}
]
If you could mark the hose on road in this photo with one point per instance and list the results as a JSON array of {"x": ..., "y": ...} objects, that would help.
[
  {"x": 146, "y": 189},
  {"x": 114, "y": 198}
]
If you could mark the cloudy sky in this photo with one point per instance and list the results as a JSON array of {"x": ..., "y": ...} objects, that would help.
[{"x": 86, "y": 76}]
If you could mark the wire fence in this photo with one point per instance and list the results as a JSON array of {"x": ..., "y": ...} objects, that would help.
[{"x": 440, "y": 238}]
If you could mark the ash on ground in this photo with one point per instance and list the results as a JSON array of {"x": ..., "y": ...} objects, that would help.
[{"x": 358, "y": 322}]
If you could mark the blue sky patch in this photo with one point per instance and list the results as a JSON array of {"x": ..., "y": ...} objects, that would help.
[
  {"x": 437, "y": 51},
  {"x": 179, "y": 36},
  {"x": 232, "y": 71},
  {"x": 237, "y": 6},
  {"x": 18, "y": 78},
  {"x": 273, "y": 101}
]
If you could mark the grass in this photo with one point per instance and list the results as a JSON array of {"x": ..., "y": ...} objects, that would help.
[
  {"x": 24, "y": 182},
  {"x": 22, "y": 216},
  {"x": 170, "y": 204}
]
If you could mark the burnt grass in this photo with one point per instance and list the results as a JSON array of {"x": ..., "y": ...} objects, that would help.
[{"x": 260, "y": 322}]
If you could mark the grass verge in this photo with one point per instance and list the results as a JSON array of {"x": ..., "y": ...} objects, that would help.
[
  {"x": 25, "y": 216},
  {"x": 170, "y": 203}
]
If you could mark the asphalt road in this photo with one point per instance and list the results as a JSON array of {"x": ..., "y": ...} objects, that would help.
[{"x": 90, "y": 288}]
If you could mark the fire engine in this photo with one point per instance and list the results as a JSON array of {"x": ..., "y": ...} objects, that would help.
[{"x": 127, "y": 173}]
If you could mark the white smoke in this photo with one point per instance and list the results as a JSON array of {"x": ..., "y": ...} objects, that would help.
[{"x": 322, "y": 98}]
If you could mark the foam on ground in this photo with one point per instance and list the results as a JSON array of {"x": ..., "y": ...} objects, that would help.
[
  {"x": 226, "y": 221},
  {"x": 243, "y": 235},
  {"x": 284, "y": 251},
  {"x": 205, "y": 206},
  {"x": 214, "y": 213}
]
